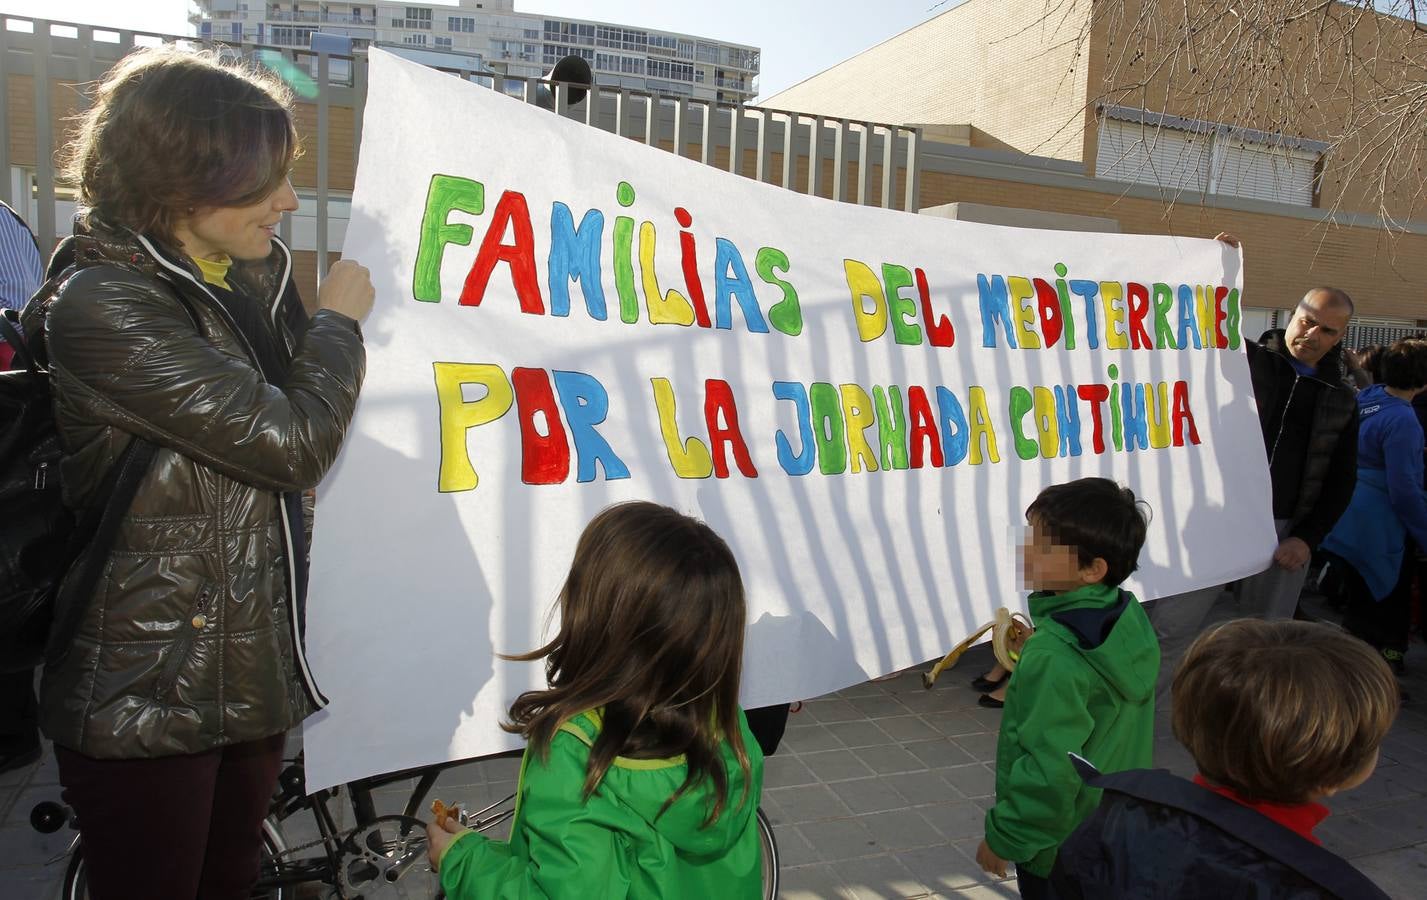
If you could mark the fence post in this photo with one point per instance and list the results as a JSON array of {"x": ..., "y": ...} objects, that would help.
[
  {"x": 44, "y": 141},
  {"x": 324, "y": 91}
]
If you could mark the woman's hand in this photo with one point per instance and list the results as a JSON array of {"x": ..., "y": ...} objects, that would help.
[
  {"x": 347, "y": 289},
  {"x": 438, "y": 836}
]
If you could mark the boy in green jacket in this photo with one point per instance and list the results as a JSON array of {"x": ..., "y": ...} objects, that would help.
[{"x": 1085, "y": 680}]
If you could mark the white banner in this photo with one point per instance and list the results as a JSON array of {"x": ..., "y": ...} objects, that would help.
[{"x": 861, "y": 401}]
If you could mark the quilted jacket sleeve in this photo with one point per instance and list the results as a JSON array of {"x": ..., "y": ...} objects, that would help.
[{"x": 124, "y": 352}]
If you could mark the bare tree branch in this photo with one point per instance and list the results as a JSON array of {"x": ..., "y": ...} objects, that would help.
[{"x": 1351, "y": 74}]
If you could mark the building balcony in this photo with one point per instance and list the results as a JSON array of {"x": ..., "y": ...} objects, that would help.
[{"x": 329, "y": 18}]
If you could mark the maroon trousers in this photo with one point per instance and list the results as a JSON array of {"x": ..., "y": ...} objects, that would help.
[{"x": 203, "y": 811}]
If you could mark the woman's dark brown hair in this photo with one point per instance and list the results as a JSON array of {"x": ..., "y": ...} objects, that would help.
[
  {"x": 651, "y": 631},
  {"x": 172, "y": 131},
  {"x": 1280, "y": 711}
]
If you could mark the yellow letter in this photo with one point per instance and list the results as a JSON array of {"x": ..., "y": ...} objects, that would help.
[
  {"x": 459, "y": 416},
  {"x": 691, "y": 460},
  {"x": 1158, "y": 413},
  {"x": 981, "y": 425},
  {"x": 1047, "y": 423},
  {"x": 1204, "y": 304},
  {"x": 1021, "y": 291},
  {"x": 862, "y": 282},
  {"x": 1111, "y": 293},
  {"x": 664, "y": 309},
  {"x": 859, "y": 414}
]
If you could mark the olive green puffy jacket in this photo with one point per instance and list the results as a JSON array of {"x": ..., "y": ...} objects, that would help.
[{"x": 191, "y": 639}]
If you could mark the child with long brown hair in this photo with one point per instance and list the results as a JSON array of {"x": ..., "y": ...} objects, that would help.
[{"x": 640, "y": 777}]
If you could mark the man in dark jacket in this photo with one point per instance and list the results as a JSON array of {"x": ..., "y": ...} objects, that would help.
[{"x": 1307, "y": 413}]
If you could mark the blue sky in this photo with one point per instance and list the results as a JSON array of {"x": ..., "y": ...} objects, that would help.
[{"x": 799, "y": 38}]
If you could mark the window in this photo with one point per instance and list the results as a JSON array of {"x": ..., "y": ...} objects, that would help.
[
  {"x": 1145, "y": 154},
  {"x": 460, "y": 23},
  {"x": 443, "y": 42},
  {"x": 288, "y": 36},
  {"x": 1263, "y": 172},
  {"x": 418, "y": 17},
  {"x": 1183, "y": 155},
  {"x": 414, "y": 40},
  {"x": 663, "y": 68}
]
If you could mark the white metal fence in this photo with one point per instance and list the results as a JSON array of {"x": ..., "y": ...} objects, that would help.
[{"x": 863, "y": 162}]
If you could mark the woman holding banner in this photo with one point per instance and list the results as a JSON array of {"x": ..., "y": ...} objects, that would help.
[{"x": 189, "y": 383}]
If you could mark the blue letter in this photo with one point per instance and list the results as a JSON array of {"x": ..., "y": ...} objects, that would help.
[
  {"x": 1188, "y": 322},
  {"x": 1089, "y": 290},
  {"x": 575, "y": 255},
  {"x": 801, "y": 464},
  {"x": 995, "y": 306},
  {"x": 586, "y": 403},
  {"x": 955, "y": 432},
  {"x": 726, "y": 256}
]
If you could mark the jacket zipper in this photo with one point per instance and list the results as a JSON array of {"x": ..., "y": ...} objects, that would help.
[
  {"x": 309, "y": 683},
  {"x": 178, "y": 655},
  {"x": 1283, "y": 419}
]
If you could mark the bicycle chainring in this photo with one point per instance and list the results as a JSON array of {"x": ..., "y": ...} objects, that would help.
[{"x": 386, "y": 860}]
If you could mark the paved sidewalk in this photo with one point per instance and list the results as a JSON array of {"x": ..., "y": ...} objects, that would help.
[{"x": 879, "y": 792}]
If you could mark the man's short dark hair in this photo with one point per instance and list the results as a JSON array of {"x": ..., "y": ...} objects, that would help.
[
  {"x": 1404, "y": 364},
  {"x": 1097, "y": 517}
]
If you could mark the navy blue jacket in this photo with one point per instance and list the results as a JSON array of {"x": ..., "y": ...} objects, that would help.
[{"x": 1156, "y": 836}]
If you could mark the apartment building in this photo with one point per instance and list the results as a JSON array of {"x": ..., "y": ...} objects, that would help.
[{"x": 502, "y": 39}]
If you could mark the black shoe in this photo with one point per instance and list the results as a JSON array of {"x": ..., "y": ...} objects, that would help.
[
  {"x": 17, "y": 758},
  {"x": 986, "y": 685},
  {"x": 990, "y": 702}
]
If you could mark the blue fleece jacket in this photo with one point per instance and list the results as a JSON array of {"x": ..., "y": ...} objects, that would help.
[{"x": 1388, "y": 502}]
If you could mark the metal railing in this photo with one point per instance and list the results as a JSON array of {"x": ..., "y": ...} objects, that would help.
[
  {"x": 869, "y": 163},
  {"x": 330, "y": 18}
]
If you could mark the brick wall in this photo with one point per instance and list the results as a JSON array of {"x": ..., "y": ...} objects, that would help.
[
  {"x": 993, "y": 64},
  {"x": 1283, "y": 256}
]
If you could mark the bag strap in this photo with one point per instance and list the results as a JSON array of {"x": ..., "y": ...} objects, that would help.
[
  {"x": 10, "y": 331},
  {"x": 96, "y": 530}
]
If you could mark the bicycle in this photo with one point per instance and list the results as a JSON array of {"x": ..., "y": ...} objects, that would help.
[{"x": 381, "y": 856}]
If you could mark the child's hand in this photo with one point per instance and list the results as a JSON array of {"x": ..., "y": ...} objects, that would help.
[
  {"x": 987, "y": 859},
  {"x": 438, "y": 835}
]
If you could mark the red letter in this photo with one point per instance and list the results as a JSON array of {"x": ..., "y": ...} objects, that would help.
[
  {"x": 690, "y": 263},
  {"x": 544, "y": 459},
  {"x": 519, "y": 255},
  {"x": 1183, "y": 415},
  {"x": 1221, "y": 340},
  {"x": 923, "y": 425},
  {"x": 939, "y": 331},
  {"x": 1139, "y": 309},
  {"x": 1095, "y": 394},
  {"x": 1049, "y": 303},
  {"x": 719, "y": 397}
]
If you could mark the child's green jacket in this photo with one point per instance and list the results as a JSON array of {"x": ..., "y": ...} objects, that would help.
[
  {"x": 615, "y": 844},
  {"x": 1084, "y": 684}
]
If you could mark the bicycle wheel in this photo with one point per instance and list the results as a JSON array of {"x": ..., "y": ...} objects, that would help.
[
  {"x": 76, "y": 877},
  {"x": 769, "y": 845}
]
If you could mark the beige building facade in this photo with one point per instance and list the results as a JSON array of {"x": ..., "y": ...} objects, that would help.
[{"x": 1025, "y": 91}]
